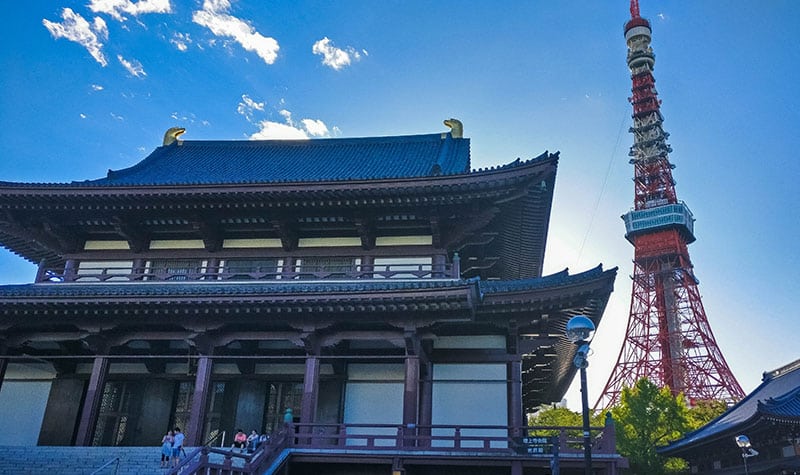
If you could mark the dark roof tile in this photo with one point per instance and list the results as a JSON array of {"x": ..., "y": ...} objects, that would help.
[{"x": 280, "y": 161}]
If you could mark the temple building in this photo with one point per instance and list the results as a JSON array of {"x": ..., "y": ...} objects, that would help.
[
  {"x": 768, "y": 418},
  {"x": 369, "y": 284}
]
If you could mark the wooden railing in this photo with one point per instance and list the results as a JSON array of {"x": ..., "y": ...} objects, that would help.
[
  {"x": 495, "y": 441},
  {"x": 142, "y": 274}
]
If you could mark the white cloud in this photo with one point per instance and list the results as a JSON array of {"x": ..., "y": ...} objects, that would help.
[
  {"x": 134, "y": 67},
  {"x": 215, "y": 17},
  {"x": 276, "y": 130},
  {"x": 181, "y": 41},
  {"x": 100, "y": 27},
  {"x": 117, "y": 117},
  {"x": 315, "y": 128},
  {"x": 290, "y": 130},
  {"x": 76, "y": 28},
  {"x": 248, "y": 106},
  {"x": 334, "y": 57},
  {"x": 97, "y": 87},
  {"x": 117, "y": 8}
]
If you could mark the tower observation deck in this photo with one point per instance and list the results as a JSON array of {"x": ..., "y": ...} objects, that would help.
[{"x": 668, "y": 337}]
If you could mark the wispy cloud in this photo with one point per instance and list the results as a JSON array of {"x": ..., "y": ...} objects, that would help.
[
  {"x": 76, "y": 28},
  {"x": 117, "y": 9},
  {"x": 181, "y": 41},
  {"x": 134, "y": 67},
  {"x": 248, "y": 106},
  {"x": 336, "y": 58},
  {"x": 216, "y": 18}
]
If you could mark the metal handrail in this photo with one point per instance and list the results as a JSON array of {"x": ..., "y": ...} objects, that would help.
[{"x": 115, "y": 459}]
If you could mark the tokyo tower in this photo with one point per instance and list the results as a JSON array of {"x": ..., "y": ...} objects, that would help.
[{"x": 668, "y": 339}]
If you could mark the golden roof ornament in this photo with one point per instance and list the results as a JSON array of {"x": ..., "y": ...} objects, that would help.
[{"x": 172, "y": 134}]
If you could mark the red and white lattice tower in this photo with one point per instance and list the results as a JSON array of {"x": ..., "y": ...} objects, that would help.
[{"x": 668, "y": 339}]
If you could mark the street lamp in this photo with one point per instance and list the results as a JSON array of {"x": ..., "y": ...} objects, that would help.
[
  {"x": 747, "y": 450},
  {"x": 579, "y": 331}
]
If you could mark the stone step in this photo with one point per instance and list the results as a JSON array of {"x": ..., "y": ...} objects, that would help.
[{"x": 81, "y": 460}]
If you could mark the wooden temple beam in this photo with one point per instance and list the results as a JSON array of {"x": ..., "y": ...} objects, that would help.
[
  {"x": 472, "y": 221},
  {"x": 287, "y": 231},
  {"x": 30, "y": 232},
  {"x": 211, "y": 233},
  {"x": 133, "y": 232},
  {"x": 367, "y": 231}
]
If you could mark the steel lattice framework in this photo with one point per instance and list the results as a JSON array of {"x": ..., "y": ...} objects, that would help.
[{"x": 668, "y": 339}]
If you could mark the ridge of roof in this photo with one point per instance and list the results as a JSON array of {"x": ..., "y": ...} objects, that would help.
[{"x": 783, "y": 370}]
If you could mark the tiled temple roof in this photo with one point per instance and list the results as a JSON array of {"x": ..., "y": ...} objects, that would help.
[
  {"x": 552, "y": 280},
  {"x": 776, "y": 398},
  {"x": 285, "y": 161},
  {"x": 175, "y": 289},
  {"x": 47, "y": 291}
]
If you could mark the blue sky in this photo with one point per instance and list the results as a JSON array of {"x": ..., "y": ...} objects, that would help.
[{"x": 92, "y": 85}]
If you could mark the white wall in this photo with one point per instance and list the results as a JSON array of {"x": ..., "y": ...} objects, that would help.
[
  {"x": 470, "y": 394},
  {"x": 22, "y": 405},
  {"x": 374, "y": 395}
]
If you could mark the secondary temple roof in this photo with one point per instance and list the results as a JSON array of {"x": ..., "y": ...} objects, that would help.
[{"x": 776, "y": 399}]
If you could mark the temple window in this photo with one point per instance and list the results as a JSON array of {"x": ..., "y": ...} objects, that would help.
[
  {"x": 327, "y": 267},
  {"x": 251, "y": 269},
  {"x": 403, "y": 267},
  {"x": 95, "y": 271},
  {"x": 175, "y": 269}
]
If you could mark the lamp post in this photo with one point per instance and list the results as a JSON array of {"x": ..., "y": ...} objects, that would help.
[
  {"x": 579, "y": 331},
  {"x": 747, "y": 450}
]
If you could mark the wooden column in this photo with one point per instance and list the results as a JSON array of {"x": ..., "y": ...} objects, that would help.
[
  {"x": 3, "y": 367},
  {"x": 91, "y": 403},
  {"x": 3, "y": 362},
  {"x": 411, "y": 393},
  {"x": 70, "y": 270},
  {"x": 308, "y": 412},
  {"x": 425, "y": 400},
  {"x": 515, "y": 411},
  {"x": 197, "y": 416}
]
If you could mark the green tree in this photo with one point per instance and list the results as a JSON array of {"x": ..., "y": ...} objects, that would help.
[
  {"x": 705, "y": 411},
  {"x": 647, "y": 418},
  {"x": 562, "y": 417}
]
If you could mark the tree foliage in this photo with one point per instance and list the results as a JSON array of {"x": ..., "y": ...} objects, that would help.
[
  {"x": 647, "y": 418},
  {"x": 705, "y": 411}
]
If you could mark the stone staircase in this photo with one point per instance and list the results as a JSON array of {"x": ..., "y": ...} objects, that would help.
[{"x": 81, "y": 460}]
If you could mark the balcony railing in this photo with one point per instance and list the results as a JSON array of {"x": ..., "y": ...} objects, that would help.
[
  {"x": 147, "y": 274},
  {"x": 319, "y": 439}
]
